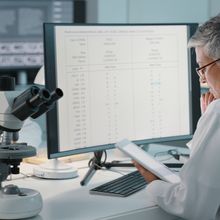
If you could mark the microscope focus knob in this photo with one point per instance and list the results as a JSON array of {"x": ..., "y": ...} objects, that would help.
[
  {"x": 11, "y": 190},
  {"x": 7, "y": 83}
]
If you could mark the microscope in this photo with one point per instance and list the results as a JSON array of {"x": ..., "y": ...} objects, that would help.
[{"x": 15, "y": 108}]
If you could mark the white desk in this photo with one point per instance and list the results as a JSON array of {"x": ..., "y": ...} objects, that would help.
[{"x": 67, "y": 199}]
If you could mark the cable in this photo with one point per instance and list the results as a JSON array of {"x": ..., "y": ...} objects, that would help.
[{"x": 173, "y": 152}]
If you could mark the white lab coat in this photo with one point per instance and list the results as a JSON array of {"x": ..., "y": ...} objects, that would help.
[{"x": 197, "y": 196}]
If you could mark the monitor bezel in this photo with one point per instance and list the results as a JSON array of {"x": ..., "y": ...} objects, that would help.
[{"x": 50, "y": 81}]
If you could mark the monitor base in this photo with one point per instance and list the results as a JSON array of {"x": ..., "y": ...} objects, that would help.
[{"x": 55, "y": 169}]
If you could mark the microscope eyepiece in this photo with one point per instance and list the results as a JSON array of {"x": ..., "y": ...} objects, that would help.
[
  {"x": 42, "y": 96},
  {"x": 28, "y": 102},
  {"x": 27, "y": 94},
  {"x": 55, "y": 95},
  {"x": 35, "y": 102},
  {"x": 48, "y": 105}
]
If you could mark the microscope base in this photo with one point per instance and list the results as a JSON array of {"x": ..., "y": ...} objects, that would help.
[{"x": 27, "y": 204}]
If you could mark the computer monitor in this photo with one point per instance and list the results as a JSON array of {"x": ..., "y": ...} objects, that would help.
[
  {"x": 21, "y": 30},
  {"x": 134, "y": 81}
]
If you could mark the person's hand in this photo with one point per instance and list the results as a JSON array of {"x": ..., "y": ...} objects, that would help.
[
  {"x": 148, "y": 176},
  {"x": 205, "y": 100}
]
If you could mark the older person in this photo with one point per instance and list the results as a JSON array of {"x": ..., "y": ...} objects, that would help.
[{"x": 197, "y": 196}]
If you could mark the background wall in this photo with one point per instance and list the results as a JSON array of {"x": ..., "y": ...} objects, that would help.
[{"x": 151, "y": 11}]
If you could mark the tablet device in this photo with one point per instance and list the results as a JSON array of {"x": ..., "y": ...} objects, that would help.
[{"x": 147, "y": 161}]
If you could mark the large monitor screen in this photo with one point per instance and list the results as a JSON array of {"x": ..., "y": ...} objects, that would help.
[
  {"x": 119, "y": 81},
  {"x": 21, "y": 30}
]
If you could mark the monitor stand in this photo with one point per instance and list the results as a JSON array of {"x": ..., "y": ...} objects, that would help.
[
  {"x": 96, "y": 164},
  {"x": 55, "y": 169}
]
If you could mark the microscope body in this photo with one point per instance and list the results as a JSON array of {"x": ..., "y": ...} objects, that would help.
[
  {"x": 8, "y": 122},
  {"x": 15, "y": 108}
]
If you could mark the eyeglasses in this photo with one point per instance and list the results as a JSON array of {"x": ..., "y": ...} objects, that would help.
[{"x": 201, "y": 70}]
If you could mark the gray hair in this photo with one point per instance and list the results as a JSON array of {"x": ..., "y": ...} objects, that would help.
[{"x": 208, "y": 36}]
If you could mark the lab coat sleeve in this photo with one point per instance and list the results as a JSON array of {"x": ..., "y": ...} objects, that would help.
[{"x": 197, "y": 196}]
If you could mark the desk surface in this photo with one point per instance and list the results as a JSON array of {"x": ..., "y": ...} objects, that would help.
[{"x": 67, "y": 199}]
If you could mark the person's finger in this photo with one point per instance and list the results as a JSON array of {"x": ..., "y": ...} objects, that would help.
[
  {"x": 148, "y": 176},
  {"x": 210, "y": 98},
  {"x": 202, "y": 103},
  {"x": 207, "y": 98}
]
